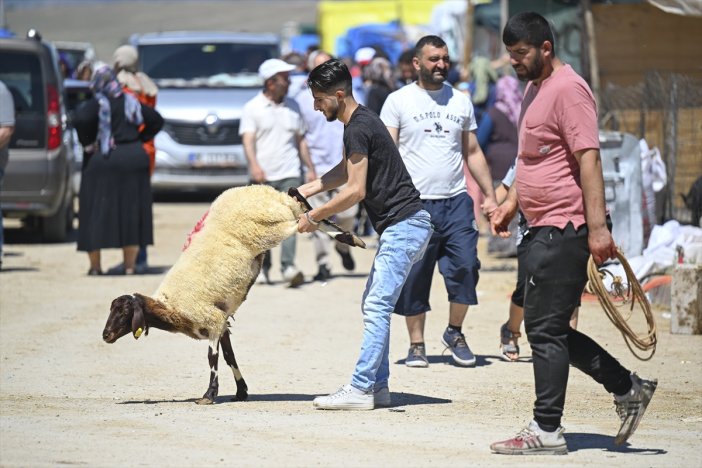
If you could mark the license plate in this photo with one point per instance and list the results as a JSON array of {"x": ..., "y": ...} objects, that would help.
[{"x": 216, "y": 159}]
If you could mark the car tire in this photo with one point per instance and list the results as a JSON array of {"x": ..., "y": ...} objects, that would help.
[{"x": 56, "y": 228}]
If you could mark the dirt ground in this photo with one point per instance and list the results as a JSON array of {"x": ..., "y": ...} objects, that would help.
[{"x": 67, "y": 398}]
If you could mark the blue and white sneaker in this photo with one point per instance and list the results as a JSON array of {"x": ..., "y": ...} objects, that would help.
[
  {"x": 417, "y": 356},
  {"x": 461, "y": 353}
]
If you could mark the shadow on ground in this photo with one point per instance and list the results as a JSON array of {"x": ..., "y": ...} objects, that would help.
[
  {"x": 584, "y": 441},
  {"x": 398, "y": 399},
  {"x": 480, "y": 360}
]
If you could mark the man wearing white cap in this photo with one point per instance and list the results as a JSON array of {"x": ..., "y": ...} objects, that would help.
[
  {"x": 272, "y": 132},
  {"x": 362, "y": 57}
]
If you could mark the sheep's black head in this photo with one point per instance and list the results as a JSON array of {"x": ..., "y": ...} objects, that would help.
[{"x": 126, "y": 315}]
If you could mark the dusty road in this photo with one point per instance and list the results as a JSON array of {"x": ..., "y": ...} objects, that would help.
[{"x": 68, "y": 398}]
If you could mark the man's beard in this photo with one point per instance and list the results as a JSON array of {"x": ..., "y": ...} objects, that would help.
[
  {"x": 534, "y": 71},
  {"x": 428, "y": 77},
  {"x": 333, "y": 114}
]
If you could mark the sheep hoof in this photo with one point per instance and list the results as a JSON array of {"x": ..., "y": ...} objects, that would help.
[{"x": 204, "y": 401}]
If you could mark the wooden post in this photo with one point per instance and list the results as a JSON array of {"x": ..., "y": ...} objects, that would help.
[
  {"x": 504, "y": 15},
  {"x": 468, "y": 40},
  {"x": 592, "y": 50}
]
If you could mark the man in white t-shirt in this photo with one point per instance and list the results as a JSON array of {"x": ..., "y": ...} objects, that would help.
[
  {"x": 433, "y": 125},
  {"x": 272, "y": 131}
]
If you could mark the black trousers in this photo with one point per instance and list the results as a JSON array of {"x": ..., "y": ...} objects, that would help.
[{"x": 556, "y": 263}]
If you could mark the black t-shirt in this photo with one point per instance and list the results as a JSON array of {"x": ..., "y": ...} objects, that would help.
[{"x": 390, "y": 194}]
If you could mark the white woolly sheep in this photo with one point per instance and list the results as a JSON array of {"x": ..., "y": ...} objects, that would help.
[{"x": 221, "y": 260}]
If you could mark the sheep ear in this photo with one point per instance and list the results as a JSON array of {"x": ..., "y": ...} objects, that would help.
[{"x": 138, "y": 321}]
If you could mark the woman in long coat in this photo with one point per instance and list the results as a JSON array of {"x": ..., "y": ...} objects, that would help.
[{"x": 115, "y": 193}]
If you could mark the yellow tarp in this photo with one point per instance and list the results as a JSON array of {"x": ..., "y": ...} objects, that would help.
[{"x": 337, "y": 17}]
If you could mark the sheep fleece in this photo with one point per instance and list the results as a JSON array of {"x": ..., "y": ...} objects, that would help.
[{"x": 222, "y": 255}]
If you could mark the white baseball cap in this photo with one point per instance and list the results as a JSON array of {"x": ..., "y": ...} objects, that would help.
[
  {"x": 273, "y": 66},
  {"x": 364, "y": 55}
]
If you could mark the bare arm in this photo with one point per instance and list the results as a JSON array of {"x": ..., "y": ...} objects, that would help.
[
  {"x": 248, "y": 140},
  {"x": 353, "y": 192},
  {"x": 599, "y": 239},
  {"x": 478, "y": 167},
  {"x": 503, "y": 214},
  {"x": 501, "y": 193},
  {"x": 394, "y": 133},
  {"x": 306, "y": 158},
  {"x": 5, "y": 135},
  {"x": 336, "y": 177}
]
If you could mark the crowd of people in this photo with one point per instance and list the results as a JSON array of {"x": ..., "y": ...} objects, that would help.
[
  {"x": 422, "y": 152},
  {"x": 419, "y": 145}
]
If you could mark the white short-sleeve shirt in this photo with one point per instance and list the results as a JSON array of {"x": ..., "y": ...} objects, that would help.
[
  {"x": 276, "y": 128},
  {"x": 431, "y": 126}
]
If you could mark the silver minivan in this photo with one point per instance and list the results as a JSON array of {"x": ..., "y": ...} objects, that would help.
[
  {"x": 204, "y": 80},
  {"x": 37, "y": 184}
]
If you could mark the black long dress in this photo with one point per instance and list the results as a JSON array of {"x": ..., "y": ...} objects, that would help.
[{"x": 115, "y": 189}]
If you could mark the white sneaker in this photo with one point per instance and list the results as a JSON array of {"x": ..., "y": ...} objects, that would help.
[
  {"x": 381, "y": 397},
  {"x": 532, "y": 440},
  {"x": 347, "y": 397},
  {"x": 293, "y": 277}
]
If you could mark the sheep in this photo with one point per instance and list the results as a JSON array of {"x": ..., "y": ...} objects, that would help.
[{"x": 220, "y": 261}]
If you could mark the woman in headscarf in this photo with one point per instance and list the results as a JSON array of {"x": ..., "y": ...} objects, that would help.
[
  {"x": 497, "y": 132},
  {"x": 125, "y": 60},
  {"x": 378, "y": 75},
  {"x": 115, "y": 193}
]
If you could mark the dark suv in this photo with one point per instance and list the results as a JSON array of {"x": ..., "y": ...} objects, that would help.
[{"x": 37, "y": 185}]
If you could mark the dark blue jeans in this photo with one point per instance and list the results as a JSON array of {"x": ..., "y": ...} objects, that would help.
[{"x": 556, "y": 265}]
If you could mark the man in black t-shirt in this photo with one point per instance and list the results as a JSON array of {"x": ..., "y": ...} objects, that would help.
[{"x": 375, "y": 176}]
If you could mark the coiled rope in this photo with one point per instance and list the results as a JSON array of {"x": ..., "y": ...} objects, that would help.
[{"x": 629, "y": 294}]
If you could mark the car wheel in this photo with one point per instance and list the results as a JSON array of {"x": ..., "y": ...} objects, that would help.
[{"x": 56, "y": 228}]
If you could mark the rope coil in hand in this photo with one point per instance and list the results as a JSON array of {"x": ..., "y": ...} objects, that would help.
[{"x": 626, "y": 294}]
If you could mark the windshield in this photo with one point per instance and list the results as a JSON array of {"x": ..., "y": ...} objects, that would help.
[{"x": 205, "y": 64}]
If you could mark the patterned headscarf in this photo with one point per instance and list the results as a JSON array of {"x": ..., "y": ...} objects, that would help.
[
  {"x": 379, "y": 70},
  {"x": 508, "y": 96},
  {"x": 105, "y": 85}
]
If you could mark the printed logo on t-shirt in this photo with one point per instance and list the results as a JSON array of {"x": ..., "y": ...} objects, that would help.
[{"x": 438, "y": 130}]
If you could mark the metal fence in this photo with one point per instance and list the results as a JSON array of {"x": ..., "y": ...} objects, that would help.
[{"x": 665, "y": 110}]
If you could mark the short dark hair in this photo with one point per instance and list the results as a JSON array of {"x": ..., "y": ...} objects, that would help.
[
  {"x": 406, "y": 56},
  {"x": 431, "y": 40},
  {"x": 529, "y": 27},
  {"x": 329, "y": 77}
]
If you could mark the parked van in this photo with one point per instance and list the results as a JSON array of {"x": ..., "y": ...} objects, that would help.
[
  {"x": 204, "y": 80},
  {"x": 37, "y": 184}
]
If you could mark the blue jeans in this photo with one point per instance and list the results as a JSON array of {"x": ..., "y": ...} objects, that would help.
[{"x": 401, "y": 245}]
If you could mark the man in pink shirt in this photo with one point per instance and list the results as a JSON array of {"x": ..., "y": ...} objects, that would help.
[{"x": 560, "y": 189}]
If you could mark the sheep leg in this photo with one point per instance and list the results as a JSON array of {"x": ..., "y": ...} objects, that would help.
[
  {"x": 212, "y": 391},
  {"x": 228, "y": 352}
]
